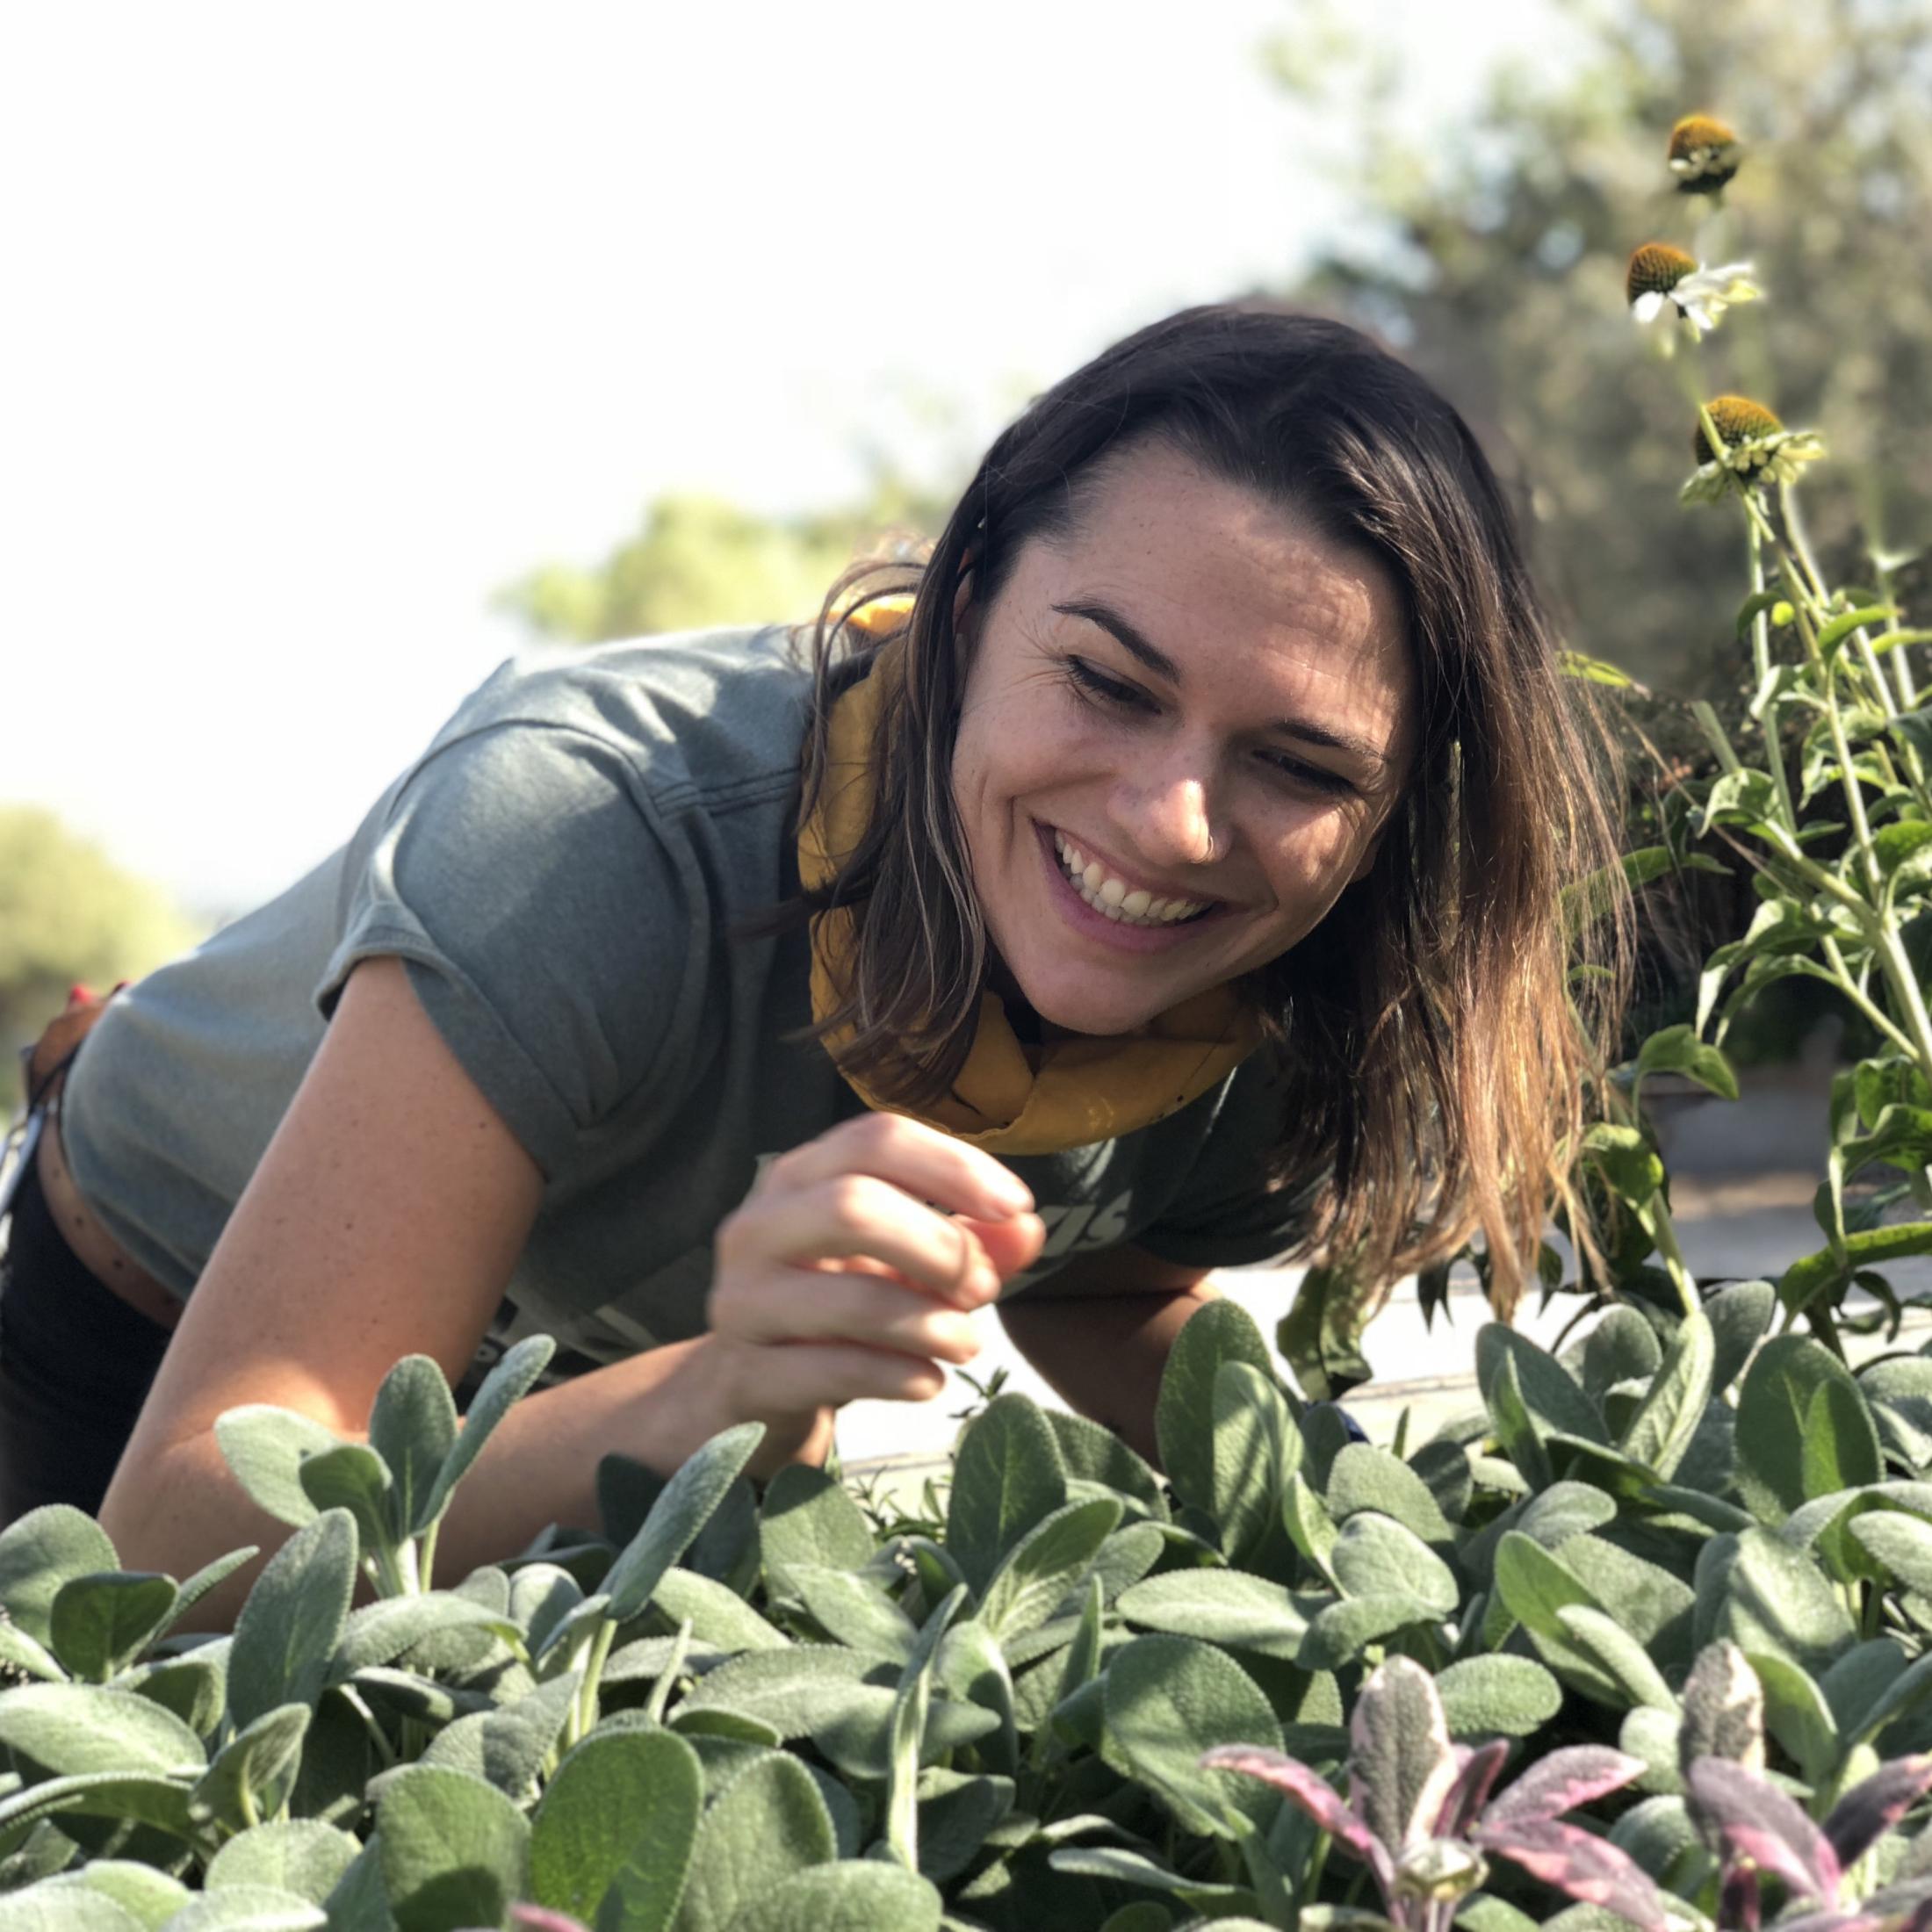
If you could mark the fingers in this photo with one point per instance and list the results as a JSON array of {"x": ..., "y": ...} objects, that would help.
[
  {"x": 867, "y": 1309},
  {"x": 928, "y": 1166},
  {"x": 860, "y": 1214},
  {"x": 811, "y": 1375}
]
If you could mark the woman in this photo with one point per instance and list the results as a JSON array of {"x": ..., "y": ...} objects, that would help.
[{"x": 1173, "y": 886}]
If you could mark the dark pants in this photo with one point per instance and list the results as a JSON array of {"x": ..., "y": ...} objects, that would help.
[{"x": 76, "y": 1363}]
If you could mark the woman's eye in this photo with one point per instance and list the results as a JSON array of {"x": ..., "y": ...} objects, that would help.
[
  {"x": 1312, "y": 776},
  {"x": 1112, "y": 690}
]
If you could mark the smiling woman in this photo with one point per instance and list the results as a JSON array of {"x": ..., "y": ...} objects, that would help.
[{"x": 1165, "y": 876}]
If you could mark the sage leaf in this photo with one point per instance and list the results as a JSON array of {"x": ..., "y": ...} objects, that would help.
[
  {"x": 1225, "y": 1607},
  {"x": 252, "y": 1772},
  {"x": 1499, "y": 1695},
  {"x": 70, "y": 1729},
  {"x": 1553, "y": 1403},
  {"x": 1255, "y": 1447},
  {"x": 1048, "y": 1562},
  {"x": 249, "y": 1908},
  {"x": 503, "y": 1387},
  {"x": 100, "y": 1623},
  {"x": 809, "y": 1517},
  {"x": 413, "y": 1428},
  {"x": 1006, "y": 1478},
  {"x": 613, "y": 1836},
  {"x": 767, "y": 1824},
  {"x": 1167, "y": 1700},
  {"x": 1091, "y": 1453},
  {"x": 455, "y": 1851},
  {"x": 292, "y": 1620},
  {"x": 854, "y": 1611},
  {"x": 1365, "y": 1478},
  {"x": 1775, "y": 1405},
  {"x": 1375, "y": 1556},
  {"x": 298, "y": 1854},
  {"x": 851, "y": 1896},
  {"x": 47, "y": 1548},
  {"x": 1738, "y": 1316},
  {"x": 1666, "y": 1418},
  {"x": 264, "y": 1448},
  {"x": 719, "y": 1617},
  {"x": 676, "y": 1517},
  {"x": 352, "y": 1476},
  {"x": 1184, "y": 1411},
  {"x": 508, "y": 1747}
]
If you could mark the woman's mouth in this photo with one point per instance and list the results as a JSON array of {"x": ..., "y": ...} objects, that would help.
[{"x": 1113, "y": 899}]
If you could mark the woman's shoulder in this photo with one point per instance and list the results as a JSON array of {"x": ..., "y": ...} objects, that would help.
[{"x": 701, "y": 716}]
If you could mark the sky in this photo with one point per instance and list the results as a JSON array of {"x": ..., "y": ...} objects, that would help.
[{"x": 324, "y": 324}]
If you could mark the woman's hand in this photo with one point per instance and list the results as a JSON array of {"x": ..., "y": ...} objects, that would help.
[{"x": 852, "y": 1270}]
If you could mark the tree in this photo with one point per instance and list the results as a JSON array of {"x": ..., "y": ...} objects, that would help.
[
  {"x": 696, "y": 560},
  {"x": 1495, "y": 261},
  {"x": 68, "y": 913}
]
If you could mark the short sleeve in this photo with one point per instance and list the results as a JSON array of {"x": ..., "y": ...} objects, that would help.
[
  {"x": 553, "y": 933},
  {"x": 1228, "y": 1213}
]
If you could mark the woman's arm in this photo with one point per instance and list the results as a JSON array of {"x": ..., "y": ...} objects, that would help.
[
  {"x": 1099, "y": 1331},
  {"x": 384, "y": 1220}
]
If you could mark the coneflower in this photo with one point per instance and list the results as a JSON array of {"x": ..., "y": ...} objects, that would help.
[
  {"x": 1704, "y": 154},
  {"x": 1755, "y": 448},
  {"x": 1664, "y": 282}
]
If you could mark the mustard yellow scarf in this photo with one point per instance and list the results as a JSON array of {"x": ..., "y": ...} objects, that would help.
[{"x": 1009, "y": 1098}]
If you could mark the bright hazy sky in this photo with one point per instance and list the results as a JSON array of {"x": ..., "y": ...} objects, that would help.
[{"x": 323, "y": 323}]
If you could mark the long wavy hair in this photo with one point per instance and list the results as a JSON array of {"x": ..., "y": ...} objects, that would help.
[{"x": 1436, "y": 1040}]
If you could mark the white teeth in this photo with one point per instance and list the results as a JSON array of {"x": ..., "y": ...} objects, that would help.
[{"x": 1129, "y": 906}]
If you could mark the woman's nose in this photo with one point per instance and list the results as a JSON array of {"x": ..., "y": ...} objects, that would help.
[{"x": 1167, "y": 809}]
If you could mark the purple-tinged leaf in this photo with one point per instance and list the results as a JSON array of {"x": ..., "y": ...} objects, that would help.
[
  {"x": 1859, "y": 1919},
  {"x": 1921, "y": 1920},
  {"x": 1477, "y": 1773},
  {"x": 1872, "y": 1807},
  {"x": 1582, "y": 1866},
  {"x": 1562, "y": 1781},
  {"x": 1750, "y": 1818},
  {"x": 1741, "y": 1900},
  {"x": 1723, "y": 1709},
  {"x": 1401, "y": 1765},
  {"x": 540, "y": 1918},
  {"x": 1313, "y": 1793}
]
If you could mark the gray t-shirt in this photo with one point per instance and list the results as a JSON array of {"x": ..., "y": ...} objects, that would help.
[{"x": 565, "y": 872}]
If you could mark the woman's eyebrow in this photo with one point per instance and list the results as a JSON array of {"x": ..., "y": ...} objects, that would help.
[{"x": 1132, "y": 640}]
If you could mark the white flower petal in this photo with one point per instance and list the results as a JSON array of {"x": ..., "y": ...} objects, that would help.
[{"x": 1647, "y": 305}]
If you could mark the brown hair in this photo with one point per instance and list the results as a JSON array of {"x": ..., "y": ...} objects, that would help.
[{"x": 1424, "y": 1028}]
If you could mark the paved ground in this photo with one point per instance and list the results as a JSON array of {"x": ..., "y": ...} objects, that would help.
[{"x": 1743, "y": 1176}]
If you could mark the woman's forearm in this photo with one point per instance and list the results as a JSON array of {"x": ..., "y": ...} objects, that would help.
[{"x": 182, "y": 1508}]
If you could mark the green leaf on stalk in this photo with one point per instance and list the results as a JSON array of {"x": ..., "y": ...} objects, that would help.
[
  {"x": 509, "y": 1746},
  {"x": 1738, "y": 1316},
  {"x": 1256, "y": 1448},
  {"x": 1008, "y": 1478},
  {"x": 152, "y": 1897},
  {"x": 413, "y": 1428},
  {"x": 381, "y": 1632},
  {"x": 1553, "y": 1403},
  {"x": 1169, "y": 1700},
  {"x": 1841, "y": 627},
  {"x": 1777, "y": 1601},
  {"x": 1678, "y": 1050},
  {"x": 264, "y": 1448},
  {"x": 455, "y": 1850},
  {"x": 73, "y": 1729},
  {"x": 298, "y": 1854},
  {"x": 1666, "y": 1420},
  {"x": 45, "y": 1549},
  {"x": 1091, "y": 1453},
  {"x": 100, "y": 1623},
  {"x": 1220, "y": 1606},
  {"x": 1774, "y": 1409},
  {"x": 1320, "y": 1337},
  {"x": 503, "y": 1387},
  {"x": 352, "y": 1476},
  {"x": 1184, "y": 1416},
  {"x": 1375, "y": 1556},
  {"x": 718, "y": 1616},
  {"x": 1362, "y": 1477},
  {"x": 614, "y": 1834},
  {"x": 1830, "y": 1269},
  {"x": 677, "y": 1516},
  {"x": 1038, "y": 1572},
  {"x": 252, "y": 1772},
  {"x": 768, "y": 1824},
  {"x": 853, "y": 1895},
  {"x": 810, "y": 1518},
  {"x": 1797, "y": 1716},
  {"x": 1575, "y": 664},
  {"x": 292, "y": 1620}
]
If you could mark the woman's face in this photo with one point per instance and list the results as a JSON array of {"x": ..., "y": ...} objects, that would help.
[{"x": 1184, "y": 727}]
